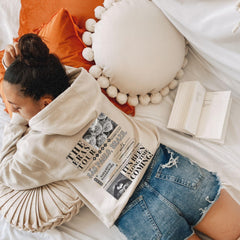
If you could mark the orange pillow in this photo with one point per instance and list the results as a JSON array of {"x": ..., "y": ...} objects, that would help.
[
  {"x": 61, "y": 33},
  {"x": 34, "y": 13},
  {"x": 62, "y": 36}
]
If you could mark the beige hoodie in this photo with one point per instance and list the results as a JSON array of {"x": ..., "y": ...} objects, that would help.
[{"x": 83, "y": 138}]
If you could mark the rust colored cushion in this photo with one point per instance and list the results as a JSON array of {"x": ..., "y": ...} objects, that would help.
[
  {"x": 61, "y": 32},
  {"x": 62, "y": 36},
  {"x": 34, "y": 13}
]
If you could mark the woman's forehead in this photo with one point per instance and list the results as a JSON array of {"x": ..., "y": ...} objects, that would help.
[{"x": 12, "y": 92}]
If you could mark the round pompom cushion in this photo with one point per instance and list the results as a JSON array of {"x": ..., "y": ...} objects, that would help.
[{"x": 137, "y": 47}]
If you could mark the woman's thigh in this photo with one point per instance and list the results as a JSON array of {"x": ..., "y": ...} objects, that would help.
[{"x": 222, "y": 221}]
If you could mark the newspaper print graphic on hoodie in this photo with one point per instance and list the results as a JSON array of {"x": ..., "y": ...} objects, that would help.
[{"x": 109, "y": 157}]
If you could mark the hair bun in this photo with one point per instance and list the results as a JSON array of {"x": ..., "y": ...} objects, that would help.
[{"x": 33, "y": 51}]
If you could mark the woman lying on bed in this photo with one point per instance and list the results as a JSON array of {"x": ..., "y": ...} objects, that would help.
[{"x": 64, "y": 128}]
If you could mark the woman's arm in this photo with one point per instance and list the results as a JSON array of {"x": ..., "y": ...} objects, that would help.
[
  {"x": 19, "y": 170},
  {"x": 57, "y": 202},
  {"x": 13, "y": 132}
]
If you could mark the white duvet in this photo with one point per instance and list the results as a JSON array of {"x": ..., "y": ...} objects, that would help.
[{"x": 214, "y": 60}]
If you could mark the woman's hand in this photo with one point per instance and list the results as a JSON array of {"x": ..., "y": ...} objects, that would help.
[{"x": 10, "y": 54}]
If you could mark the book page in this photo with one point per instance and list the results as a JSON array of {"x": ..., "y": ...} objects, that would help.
[
  {"x": 195, "y": 107},
  {"x": 187, "y": 107},
  {"x": 214, "y": 116}
]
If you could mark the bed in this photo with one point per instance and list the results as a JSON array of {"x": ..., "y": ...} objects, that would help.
[{"x": 213, "y": 59}]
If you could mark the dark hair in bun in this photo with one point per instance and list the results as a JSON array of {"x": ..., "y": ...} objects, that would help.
[
  {"x": 37, "y": 71},
  {"x": 33, "y": 51}
]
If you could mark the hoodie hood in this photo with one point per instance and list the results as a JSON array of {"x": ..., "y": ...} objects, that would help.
[{"x": 71, "y": 110}]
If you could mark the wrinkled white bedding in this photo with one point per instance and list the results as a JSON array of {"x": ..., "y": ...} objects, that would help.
[{"x": 213, "y": 60}]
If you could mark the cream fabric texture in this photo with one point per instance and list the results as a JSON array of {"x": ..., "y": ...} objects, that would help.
[{"x": 39, "y": 209}]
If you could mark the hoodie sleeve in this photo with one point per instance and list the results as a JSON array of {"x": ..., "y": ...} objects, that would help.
[
  {"x": 14, "y": 173},
  {"x": 56, "y": 203},
  {"x": 13, "y": 132}
]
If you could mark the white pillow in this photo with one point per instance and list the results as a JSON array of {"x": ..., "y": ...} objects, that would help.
[{"x": 137, "y": 51}]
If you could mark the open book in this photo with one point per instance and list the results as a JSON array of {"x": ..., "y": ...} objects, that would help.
[{"x": 200, "y": 113}]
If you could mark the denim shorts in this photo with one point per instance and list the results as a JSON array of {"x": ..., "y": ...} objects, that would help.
[{"x": 173, "y": 196}]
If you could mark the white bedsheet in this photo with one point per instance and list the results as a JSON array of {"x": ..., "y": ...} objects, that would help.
[{"x": 214, "y": 61}]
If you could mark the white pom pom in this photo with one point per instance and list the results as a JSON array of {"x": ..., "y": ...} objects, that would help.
[
  {"x": 90, "y": 24},
  {"x": 185, "y": 62},
  {"x": 156, "y": 97},
  {"x": 95, "y": 71},
  {"x": 121, "y": 98},
  {"x": 144, "y": 99},
  {"x": 87, "y": 38},
  {"x": 106, "y": 72},
  {"x": 173, "y": 84},
  {"x": 112, "y": 91},
  {"x": 88, "y": 54},
  {"x": 179, "y": 74},
  {"x": 108, "y": 3},
  {"x": 133, "y": 101},
  {"x": 99, "y": 12},
  {"x": 164, "y": 91},
  {"x": 103, "y": 82}
]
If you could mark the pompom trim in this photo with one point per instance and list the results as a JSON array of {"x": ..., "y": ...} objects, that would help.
[{"x": 105, "y": 81}]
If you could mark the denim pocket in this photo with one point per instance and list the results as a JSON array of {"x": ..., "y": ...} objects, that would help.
[
  {"x": 137, "y": 223},
  {"x": 179, "y": 169}
]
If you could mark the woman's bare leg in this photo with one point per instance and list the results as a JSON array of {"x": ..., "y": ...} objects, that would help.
[
  {"x": 222, "y": 221},
  {"x": 194, "y": 237}
]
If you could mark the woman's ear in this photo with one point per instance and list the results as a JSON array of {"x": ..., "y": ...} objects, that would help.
[{"x": 45, "y": 100}]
